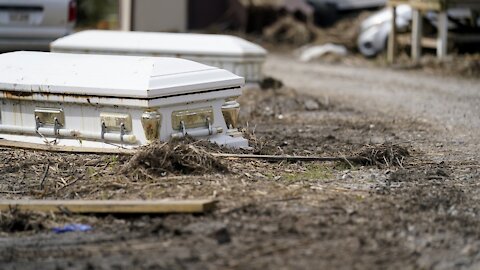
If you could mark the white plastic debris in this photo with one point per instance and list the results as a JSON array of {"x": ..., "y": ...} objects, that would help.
[{"x": 309, "y": 53}]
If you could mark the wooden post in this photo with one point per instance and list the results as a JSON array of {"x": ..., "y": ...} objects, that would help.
[
  {"x": 125, "y": 16},
  {"x": 442, "y": 40},
  {"x": 392, "y": 38},
  {"x": 417, "y": 27}
]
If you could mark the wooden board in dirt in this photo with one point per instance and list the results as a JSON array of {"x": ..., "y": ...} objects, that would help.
[
  {"x": 65, "y": 149},
  {"x": 111, "y": 206}
]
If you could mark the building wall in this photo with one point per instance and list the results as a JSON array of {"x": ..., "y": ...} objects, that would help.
[{"x": 159, "y": 15}]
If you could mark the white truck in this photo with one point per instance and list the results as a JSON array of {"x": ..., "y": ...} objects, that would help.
[{"x": 33, "y": 24}]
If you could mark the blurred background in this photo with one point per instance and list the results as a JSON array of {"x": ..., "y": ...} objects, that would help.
[{"x": 357, "y": 28}]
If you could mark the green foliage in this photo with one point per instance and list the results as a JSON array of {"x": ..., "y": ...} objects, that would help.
[{"x": 90, "y": 12}]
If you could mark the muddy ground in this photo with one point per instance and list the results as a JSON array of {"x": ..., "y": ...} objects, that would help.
[{"x": 419, "y": 213}]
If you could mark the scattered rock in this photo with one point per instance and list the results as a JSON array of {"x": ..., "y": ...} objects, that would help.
[
  {"x": 311, "y": 105},
  {"x": 222, "y": 236}
]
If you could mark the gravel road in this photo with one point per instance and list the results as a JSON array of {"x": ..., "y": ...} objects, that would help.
[{"x": 450, "y": 104}]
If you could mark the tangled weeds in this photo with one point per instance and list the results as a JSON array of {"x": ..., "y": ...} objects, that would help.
[
  {"x": 174, "y": 157},
  {"x": 17, "y": 221},
  {"x": 383, "y": 154}
]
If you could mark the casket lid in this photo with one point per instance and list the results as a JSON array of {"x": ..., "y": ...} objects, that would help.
[
  {"x": 158, "y": 43},
  {"x": 109, "y": 76}
]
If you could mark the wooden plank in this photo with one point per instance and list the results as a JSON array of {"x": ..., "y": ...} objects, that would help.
[
  {"x": 428, "y": 4},
  {"x": 65, "y": 149},
  {"x": 442, "y": 41},
  {"x": 392, "y": 38},
  {"x": 426, "y": 42},
  {"x": 437, "y": 5},
  {"x": 417, "y": 34},
  {"x": 81, "y": 150},
  {"x": 111, "y": 206},
  {"x": 397, "y": 2}
]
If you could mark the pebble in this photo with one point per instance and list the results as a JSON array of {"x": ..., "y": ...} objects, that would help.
[{"x": 311, "y": 105}]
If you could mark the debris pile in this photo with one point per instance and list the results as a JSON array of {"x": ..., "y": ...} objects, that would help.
[
  {"x": 175, "y": 157},
  {"x": 383, "y": 154},
  {"x": 18, "y": 221},
  {"x": 309, "y": 53},
  {"x": 270, "y": 83},
  {"x": 342, "y": 32},
  {"x": 467, "y": 65},
  {"x": 289, "y": 30}
]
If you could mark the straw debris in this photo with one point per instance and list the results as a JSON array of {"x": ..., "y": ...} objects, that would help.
[
  {"x": 174, "y": 157},
  {"x": 383, "y": 154}
]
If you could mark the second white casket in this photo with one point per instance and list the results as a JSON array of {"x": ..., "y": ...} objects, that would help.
[
  {"x": 228, "y": 52},
  {"x": 107, "y": 101}
]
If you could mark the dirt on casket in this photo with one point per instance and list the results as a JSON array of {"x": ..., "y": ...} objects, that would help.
[{"x": 400, "y": 210}]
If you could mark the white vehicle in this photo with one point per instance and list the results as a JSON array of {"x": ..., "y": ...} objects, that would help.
[
  {"x": 33, "y": 24},
  {"x": 105, "y": 101},
  {"x": 232, "y": 53}
]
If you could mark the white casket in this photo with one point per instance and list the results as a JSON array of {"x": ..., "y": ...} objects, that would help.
[
  {"x": 228, "y": 52},
  {"x": 108, "y": 101}
]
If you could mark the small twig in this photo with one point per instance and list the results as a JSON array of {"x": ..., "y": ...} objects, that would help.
[
  {"x": 100, "y": 171},
  {"x": 386, "y": 162},
  {"x": 283, "y": 199},
  {"x": 347, "y": 161},
  {"x": 400, "y": 163},
  {"x": 71, "y": 183},
  {"x": 288, "y": 158},
  {"x": 45, "y": 173}
]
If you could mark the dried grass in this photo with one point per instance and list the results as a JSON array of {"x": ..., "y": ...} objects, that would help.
[
  {"x": 174, "y": 157},
  {"x": 383, "y": 154}
]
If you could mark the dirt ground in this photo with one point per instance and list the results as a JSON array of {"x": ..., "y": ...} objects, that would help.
[{"x": 421, "y": 212}]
